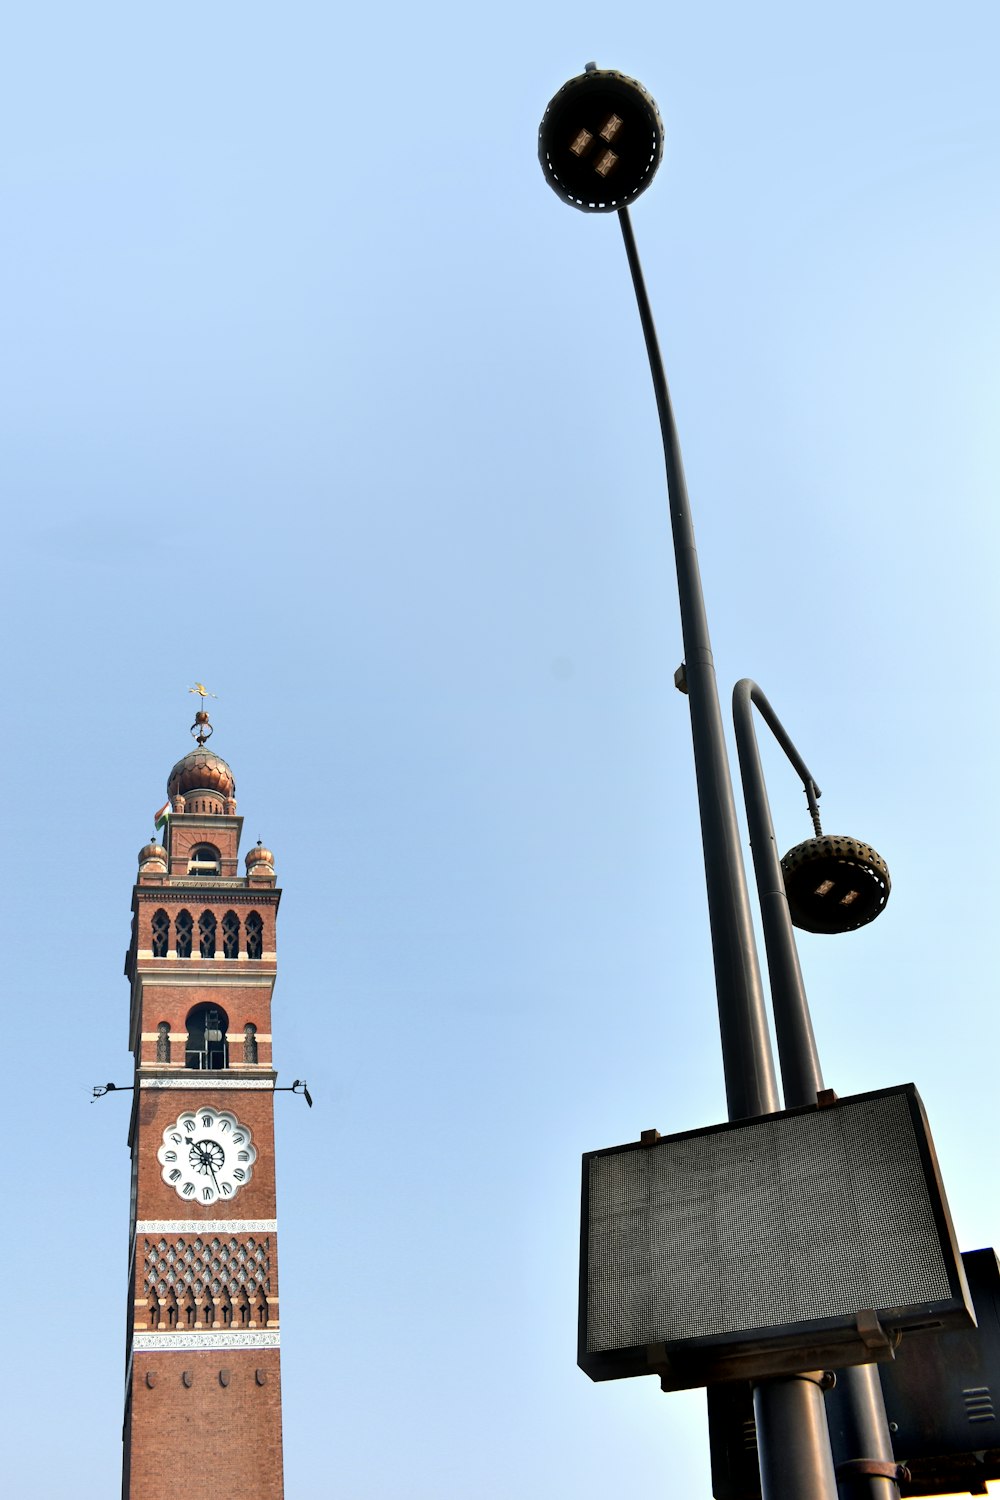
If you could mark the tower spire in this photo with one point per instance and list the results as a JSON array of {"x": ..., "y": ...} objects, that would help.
[{"x": 201, "y": 729}]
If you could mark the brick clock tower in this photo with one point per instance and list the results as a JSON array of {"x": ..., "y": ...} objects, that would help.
[{"x": 203, "y": 1394}]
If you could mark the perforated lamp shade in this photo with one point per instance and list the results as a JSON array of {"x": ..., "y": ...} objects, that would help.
[
  {"x": 600, "y": 141},
  {"x": 834, "y": 884}
]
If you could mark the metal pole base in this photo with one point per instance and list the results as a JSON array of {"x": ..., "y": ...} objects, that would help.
[
  {"x": 859, "y": 1436},
  {"x": 793, "y": 1441}
]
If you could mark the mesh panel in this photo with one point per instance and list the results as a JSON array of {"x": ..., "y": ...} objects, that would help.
[{"x": 819, "y": 1215}]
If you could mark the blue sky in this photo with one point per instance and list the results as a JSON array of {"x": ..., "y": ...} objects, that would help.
[{"x": 314, "y": 392}]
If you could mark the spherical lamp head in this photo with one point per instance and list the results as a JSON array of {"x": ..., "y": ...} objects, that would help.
[
  {"x": 834, "y": 884},
  {"x": 600, "y": 141}
]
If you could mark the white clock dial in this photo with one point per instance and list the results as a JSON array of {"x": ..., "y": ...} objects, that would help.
[{"x": 207, "y": 1156}]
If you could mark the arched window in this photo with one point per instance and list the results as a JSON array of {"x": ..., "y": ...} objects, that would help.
[
  {"x": 231, "y": 935},
  {"x": 161, "y": 933},
  {"x": 204, "y": 860},
  {"x": 206, "y": 935},
  {"x": 207, "y": 1043},
  {"x": 249, "y": 1043},
  {"x": 184, "y": 926},
  {"x": 163, "y": 1042},
  {"x": 255, "y": 935}
]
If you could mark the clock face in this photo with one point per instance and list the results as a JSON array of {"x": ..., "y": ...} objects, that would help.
[{"x": 207, "y": 1156}]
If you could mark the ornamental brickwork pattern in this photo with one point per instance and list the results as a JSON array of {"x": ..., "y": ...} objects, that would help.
[{"x": 200, "y": 1282}]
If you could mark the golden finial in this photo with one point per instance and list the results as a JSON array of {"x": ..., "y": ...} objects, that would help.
[{"x": 201, "y": 728}]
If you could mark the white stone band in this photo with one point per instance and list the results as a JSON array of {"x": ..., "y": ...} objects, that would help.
[
  {"x": 172, "y": 1342},
  {"x": 206, "y": 1226},
  {"x": 206, "y": 1083}
]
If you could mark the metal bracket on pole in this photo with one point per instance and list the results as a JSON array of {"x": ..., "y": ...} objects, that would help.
[
  {"x": 659, "y": 1363},
  {"x": 872, "y": 1334},
  {"x": 863, "y": 1468}
]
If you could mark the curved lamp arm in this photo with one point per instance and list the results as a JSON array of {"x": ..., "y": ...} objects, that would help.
[{"x": 801, "y": 1076}]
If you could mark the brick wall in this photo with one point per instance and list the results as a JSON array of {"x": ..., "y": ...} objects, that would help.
[{"x": 204, "y": 1426}]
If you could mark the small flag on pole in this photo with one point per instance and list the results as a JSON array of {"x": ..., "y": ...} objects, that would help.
[{"x": 160, "y": 818}]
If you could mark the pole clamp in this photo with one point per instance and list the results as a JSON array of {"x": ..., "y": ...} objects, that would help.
[{"x": 864, "y": 1468}]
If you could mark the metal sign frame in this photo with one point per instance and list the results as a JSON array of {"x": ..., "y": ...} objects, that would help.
[{"x": 855, "y": 1335}]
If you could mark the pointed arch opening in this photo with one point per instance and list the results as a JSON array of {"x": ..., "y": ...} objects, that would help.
[
  {"x": 161, "y": 933},
  {"x": 255, "y": 935},
  {"x": 206, "y": 934},
  {"x": 231, "y": 935},
  {"x": 184, "y": 927}
]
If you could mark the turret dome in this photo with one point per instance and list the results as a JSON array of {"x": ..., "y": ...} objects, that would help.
[
  {"x": 201, "y": 770},
  {"x": 260, "y": 856},
  {"x": 153, "y": 858}
]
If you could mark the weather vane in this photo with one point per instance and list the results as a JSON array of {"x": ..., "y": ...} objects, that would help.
[{"x": 201, "y": 728}]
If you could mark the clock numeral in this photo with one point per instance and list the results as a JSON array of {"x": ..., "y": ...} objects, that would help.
[
  {"x": 243, "y": 1156},
  {"x": 239, "y": 1174},
  {"x": 226, "y": 1190},
  {"x": 187, "y": 1125},
  {"x": 208, "y": 1194},
  {"x": 188, "y": 1189},
  {"x": 239, "y": 1137},
  {"x": 175, "y": 1174},
  {"x": 224, "y": 1125},
  {"x": 170, "y": 1156},
  {"x": 176, "y": 1138},
  {"x": 208, "y": 1121}
]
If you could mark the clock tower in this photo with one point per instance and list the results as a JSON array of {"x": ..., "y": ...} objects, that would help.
[{"x": 203, "y": 1395}]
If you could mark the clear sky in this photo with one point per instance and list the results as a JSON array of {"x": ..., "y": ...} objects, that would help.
[{"x": 313, "y": 391}]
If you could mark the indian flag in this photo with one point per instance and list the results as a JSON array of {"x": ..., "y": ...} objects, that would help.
[{"x": 160, "y": 818}]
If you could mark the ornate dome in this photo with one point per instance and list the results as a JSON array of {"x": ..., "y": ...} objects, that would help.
[
  {"x": 152, "y": 852},
  {"x": 201, "y": 771},
  {"x": 260, "y": 856}
]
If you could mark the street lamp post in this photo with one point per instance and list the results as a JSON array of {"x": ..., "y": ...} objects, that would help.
[{"x": 600, "y": 143}]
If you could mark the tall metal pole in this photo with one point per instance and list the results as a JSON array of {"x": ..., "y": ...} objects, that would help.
[
  {"x": 751, "y": 1086},
  {"x": 796, "y": 1462},
  {"x": 862, "y": 1448}
]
